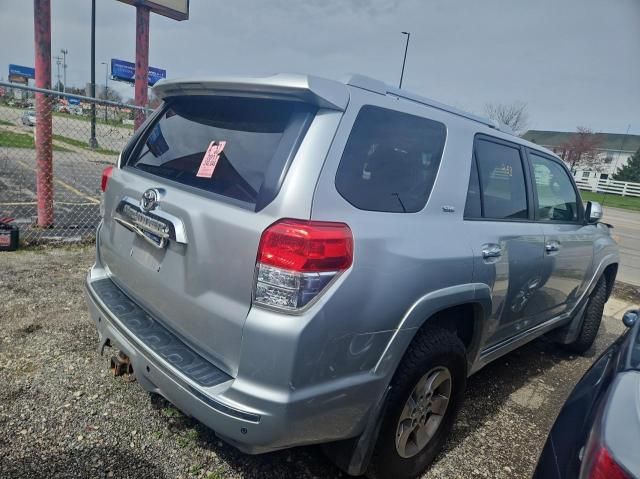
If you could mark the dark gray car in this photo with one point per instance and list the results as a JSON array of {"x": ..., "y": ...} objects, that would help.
[
  {"x": 597, "y": 433},
  {"x": 294, "y": 260}
]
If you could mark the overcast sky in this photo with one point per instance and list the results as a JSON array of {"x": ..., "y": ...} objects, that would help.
[{"x": 574, "y": 62}]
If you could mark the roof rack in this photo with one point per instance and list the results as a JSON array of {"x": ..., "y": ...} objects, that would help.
[{"x": 377, "y": 86}]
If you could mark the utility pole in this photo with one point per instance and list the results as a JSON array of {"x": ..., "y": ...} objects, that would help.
[
  {"x": 106, "y": 87},
  {"x": 406, "y": 48},
  {"x": 93, "y": 143},
  {"x": 58, "y": 60},
  {"x": 64, "y": 52}
]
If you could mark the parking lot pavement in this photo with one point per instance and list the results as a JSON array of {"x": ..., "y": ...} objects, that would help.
[
  {"x": 62, "y": 414},
  {"x": 626, "y": 231},
  {"x": 76, "y": 186}
]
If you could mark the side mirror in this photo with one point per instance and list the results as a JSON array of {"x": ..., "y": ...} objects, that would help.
[
  {"x": 593, "y": 212},
  {"x": 630, "y": 318}
]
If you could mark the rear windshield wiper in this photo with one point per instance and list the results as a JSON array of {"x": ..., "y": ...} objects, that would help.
[{"x": 404, "y": 210}]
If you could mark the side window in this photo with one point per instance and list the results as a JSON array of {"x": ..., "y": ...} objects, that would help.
[
  {"x": 390, "y": 161},
  {"x": 556, "y": 198},
  {"x": 502, "y": 181}
]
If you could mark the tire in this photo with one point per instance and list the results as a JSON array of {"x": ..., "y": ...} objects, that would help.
[
  {"x": 591, "y": 319},
  {"x": 432, "y": 352}
]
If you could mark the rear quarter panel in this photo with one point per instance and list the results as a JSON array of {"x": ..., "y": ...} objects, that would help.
[{"x": 399, "y": 258}]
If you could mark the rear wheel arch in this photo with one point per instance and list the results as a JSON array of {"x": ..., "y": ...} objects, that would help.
[
  {"x": 464, "y": 320},
  {"x": 463, "y": 309}
]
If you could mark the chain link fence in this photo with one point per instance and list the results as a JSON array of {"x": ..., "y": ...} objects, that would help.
[{"x": 78, "y": 160}]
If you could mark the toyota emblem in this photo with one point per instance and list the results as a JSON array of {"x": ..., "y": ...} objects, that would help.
[{"x": 149, "y": 199}]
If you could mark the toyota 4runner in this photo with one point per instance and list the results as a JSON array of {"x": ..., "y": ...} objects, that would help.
[{"x": 294, "y": 260}]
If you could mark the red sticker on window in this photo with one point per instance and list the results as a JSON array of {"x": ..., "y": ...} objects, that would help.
[{"x": 210, "y": 160}]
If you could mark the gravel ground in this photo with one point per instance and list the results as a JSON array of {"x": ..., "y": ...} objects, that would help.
[{"x": 62, "y": 414}]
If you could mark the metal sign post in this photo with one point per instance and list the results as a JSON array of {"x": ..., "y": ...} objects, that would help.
[
  {"x": 176, "y": 9},
  {"x": 142, "y": 61},
  {"x": 44, "y": 155}
]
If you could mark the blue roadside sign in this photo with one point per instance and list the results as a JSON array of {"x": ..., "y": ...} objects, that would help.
[
  {"x": 22, "y": 71},
  {"x": 126, "y": 71},
  {"x": 73, "y": 101}
]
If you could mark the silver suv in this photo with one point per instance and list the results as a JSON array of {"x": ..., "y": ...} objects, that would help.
[{"x": 294, "y": 260}]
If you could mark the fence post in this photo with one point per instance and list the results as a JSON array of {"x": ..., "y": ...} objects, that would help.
[
  {"x": 44, "y": 166},
  {"x": 142, "y": 62},
  {"x": 624, "y": 188}
]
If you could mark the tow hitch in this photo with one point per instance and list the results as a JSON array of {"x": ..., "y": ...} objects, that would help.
[{"x": 120, "y": 364}]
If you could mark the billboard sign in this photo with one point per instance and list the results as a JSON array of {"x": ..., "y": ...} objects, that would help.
[
  {"x": 126, "y": 71},
  {"x": 176, "y": 9},
  {"x": 21, "y": 71}
]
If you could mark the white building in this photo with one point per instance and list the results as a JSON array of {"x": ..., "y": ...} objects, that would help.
[{"x": 614, "y": 150}]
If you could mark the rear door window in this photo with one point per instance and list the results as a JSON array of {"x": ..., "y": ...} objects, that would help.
[
  {"x": 390, "y": 161},
  {"x": 229, "y": 146},
  {"x": 502, "y": 181},
  {"x": 556, "y": 198}
]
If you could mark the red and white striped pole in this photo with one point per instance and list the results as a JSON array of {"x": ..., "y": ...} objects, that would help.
[
  {"x": 142, "y": 62},
  {"x": 44, "y": 156}
]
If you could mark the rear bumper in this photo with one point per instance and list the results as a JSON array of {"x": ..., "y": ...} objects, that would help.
[{"x": 252, "y": 417}]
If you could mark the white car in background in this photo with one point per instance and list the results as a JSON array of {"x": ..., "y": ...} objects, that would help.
[{"x": 29, "y": 118}]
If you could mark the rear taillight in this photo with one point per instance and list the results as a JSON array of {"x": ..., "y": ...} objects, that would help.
[
  {"x": 106, "y": 174},
  {"x": 603, "y": 466},
  {"x": 598, "y": 463},
  {"x": 298, "y": 259}
]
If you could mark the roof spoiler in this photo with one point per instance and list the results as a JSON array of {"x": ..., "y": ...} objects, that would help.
[
  {"x": 309, "y": 89},
  {"x": 376, "y": 86}
]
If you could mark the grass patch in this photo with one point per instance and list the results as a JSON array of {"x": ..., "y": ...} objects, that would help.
[
  {"x": 615, "y": 201},
  {"x": 217, "y": 474},
  {"x": 99, "y": 119},
  {"x": 82, "y": 144},
  {"x": 188, "y": 439},
  {"x": 11, "y": 139},
  {"x": 196, "y": 469},
  {"x": 4, "y": 122},
  {"x": 16, "y": 140},
  {"x": 170, "y": 411}
]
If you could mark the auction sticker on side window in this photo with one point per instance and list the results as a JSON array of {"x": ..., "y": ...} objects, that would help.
[{"x": 210, "y": 160}]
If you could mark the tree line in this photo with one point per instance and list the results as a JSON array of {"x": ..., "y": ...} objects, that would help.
[{"x": 582, "y": 151}]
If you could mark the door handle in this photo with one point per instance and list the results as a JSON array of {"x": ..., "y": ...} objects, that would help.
[
  {"x": 552, "y": 246},
  {"x": 491, "y": 250}
]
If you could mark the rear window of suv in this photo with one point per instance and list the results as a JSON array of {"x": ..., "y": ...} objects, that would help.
[
  {"x": 390, "y": 161},
  {"x": 239, "y": 148}
]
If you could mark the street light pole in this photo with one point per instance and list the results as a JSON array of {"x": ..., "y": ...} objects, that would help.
[
  {"x": 93, "y": 143},
  {"x": 406, "y": 48}
]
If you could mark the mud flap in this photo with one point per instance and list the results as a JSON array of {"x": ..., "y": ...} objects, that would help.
[
  {"x": 353, "y": 455},
  {"x": 569, "y": 333}
]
